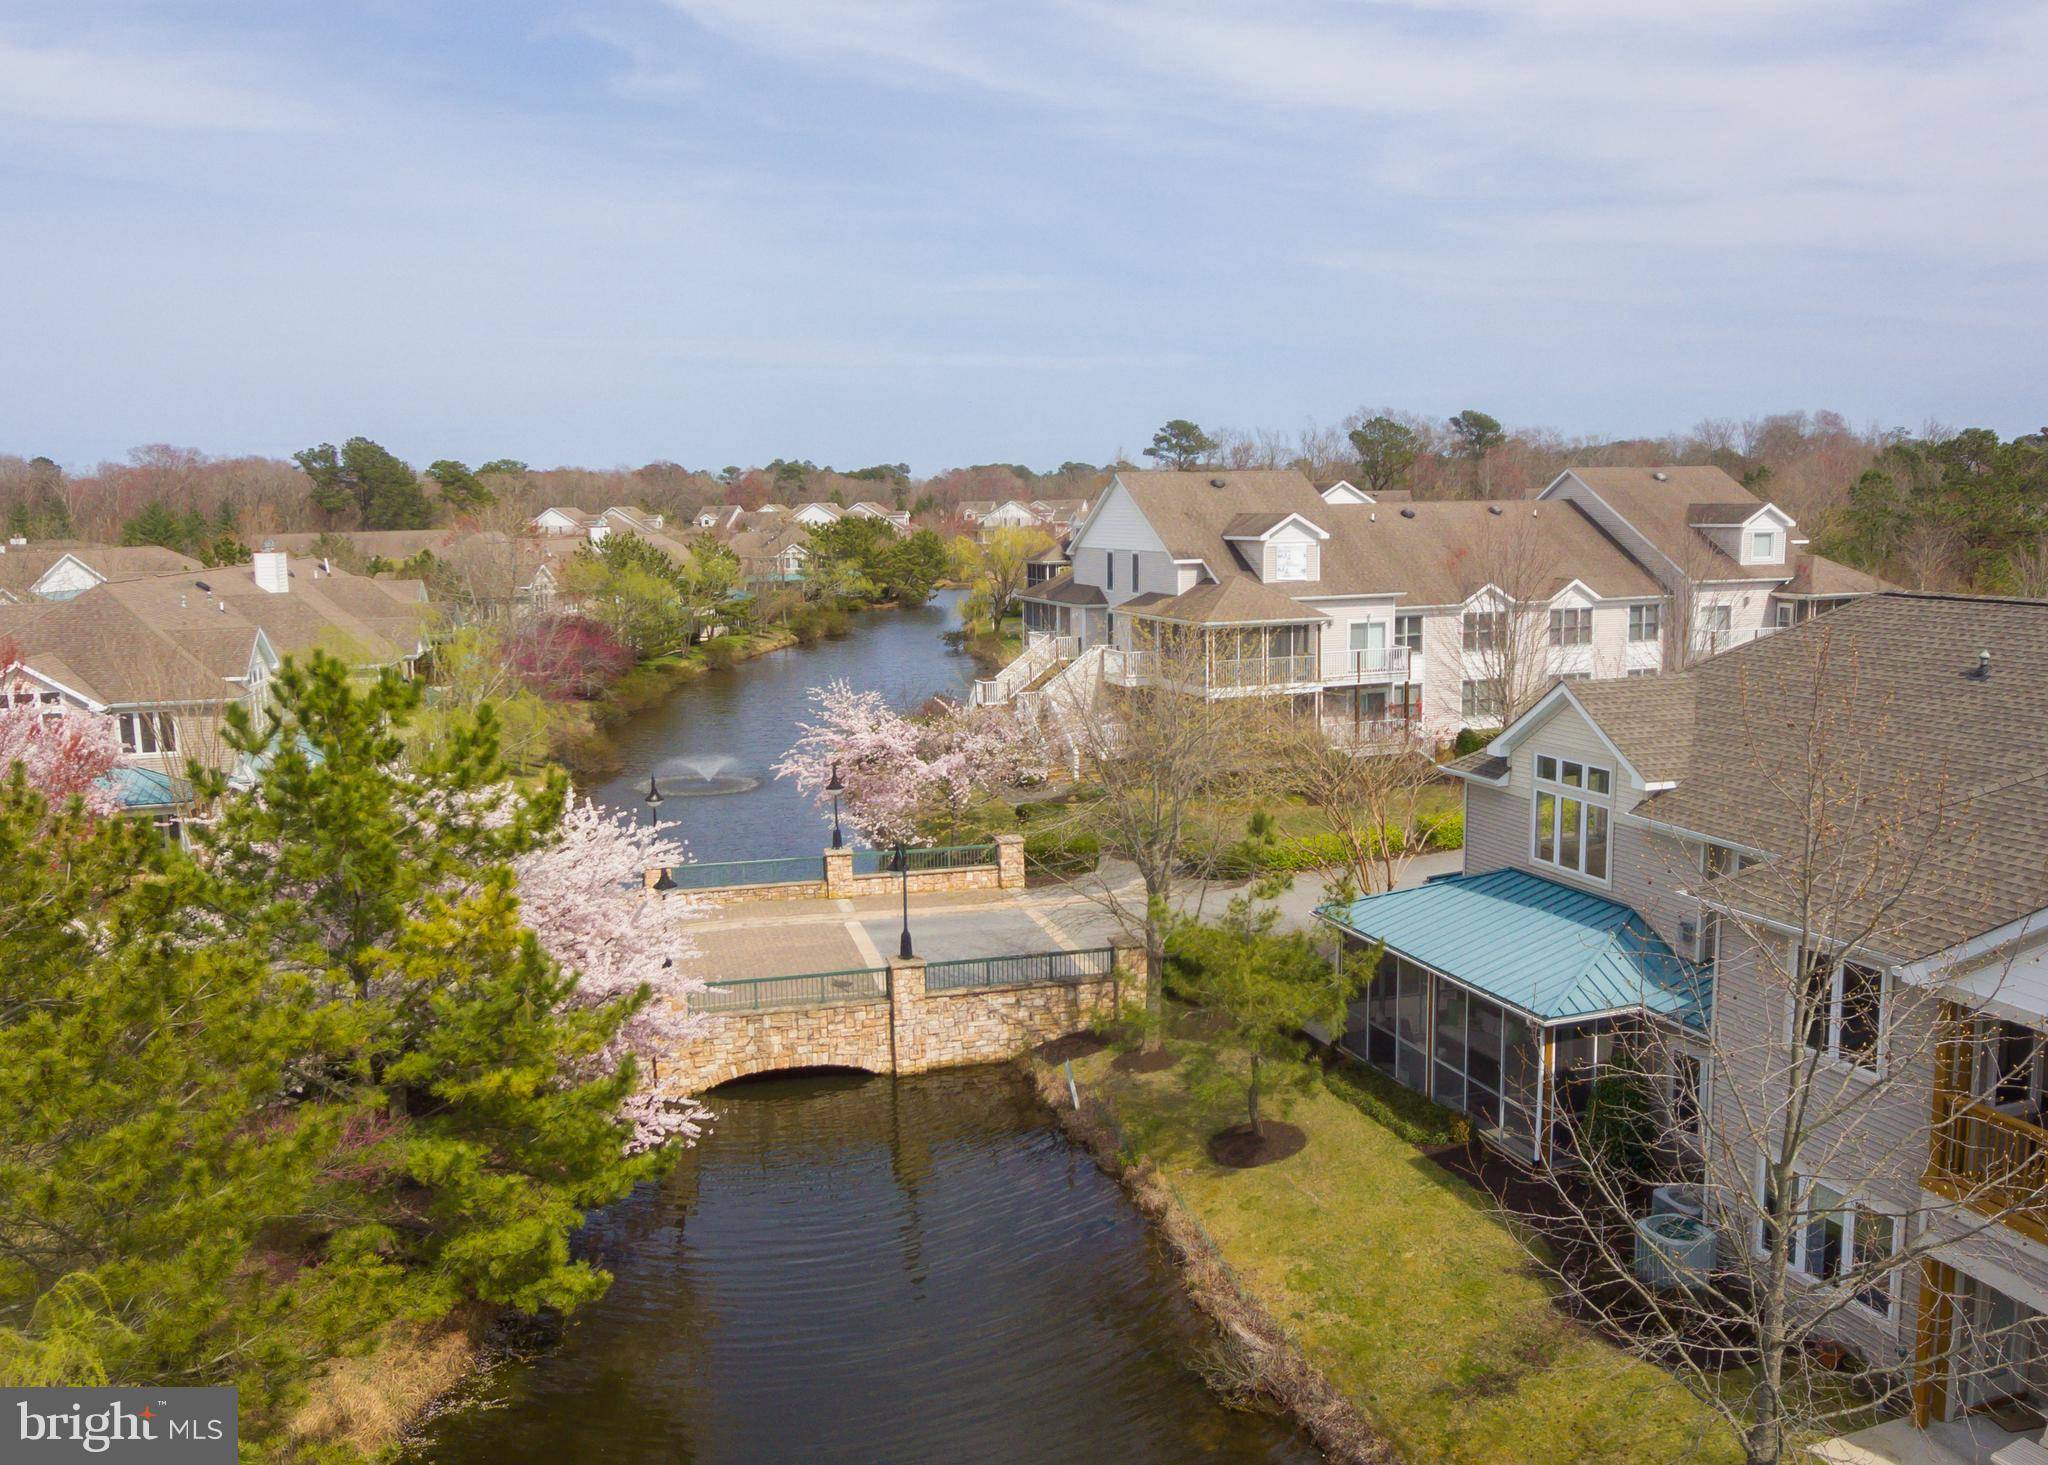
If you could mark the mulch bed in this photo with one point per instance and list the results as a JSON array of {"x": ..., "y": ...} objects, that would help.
[
  {"x": 1072, "y": 1048},
  {"x": 1143, "y": 1060},
  {"x": 1593, "y": 1294},
  {"x": 1237, "y": 1148}
]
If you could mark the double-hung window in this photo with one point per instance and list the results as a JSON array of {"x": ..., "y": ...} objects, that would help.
[
  {"x": 1845, "y": 1010},
  {"x": 1645, "y": 622},
  {"x": 1408, "y": 632},
  {"x": 1834, "y": 1238},
  {"x": 1572, "y": 814},
  {"x": 1479, "y": 701},
  {"x": 148, "y": 732},
  {"x": 1482, "y": 629},
  {"x": 1572, "y": 627}
]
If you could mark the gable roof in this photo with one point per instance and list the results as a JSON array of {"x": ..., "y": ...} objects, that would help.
[
  {"x": 105, "y": 649},
  {"x": 1432, "y": 552},
  {"x": 1660, "y": 503},
  {"x": 22, "y": 565},
  {"x": 1920, "y": 754},
  {"x": 1546, "y": 949}
]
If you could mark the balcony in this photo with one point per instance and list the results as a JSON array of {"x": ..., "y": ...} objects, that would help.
[
  {"x": 1354, "y": 668},
  {"x": 1217, "y": 676},
  {"x": 1988, "y": 1155}
]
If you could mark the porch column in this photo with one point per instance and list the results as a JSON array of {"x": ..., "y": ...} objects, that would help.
[{"x": 1933, "y": 1331}]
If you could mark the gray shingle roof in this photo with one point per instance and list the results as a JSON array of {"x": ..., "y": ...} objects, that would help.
[
  {"x": 1932, "y": 784},
  {"x": 1659, "y": 503},
  {"x": 1433, "y": 552}
]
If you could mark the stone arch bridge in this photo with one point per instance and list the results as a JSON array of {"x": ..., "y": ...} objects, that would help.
[{"x": 908, "y": 1016}]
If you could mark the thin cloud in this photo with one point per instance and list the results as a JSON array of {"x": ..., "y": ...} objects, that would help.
[{"x": 142, "y": 88}]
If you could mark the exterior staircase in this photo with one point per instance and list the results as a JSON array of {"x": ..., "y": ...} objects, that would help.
[{"x": 1033, "y": 665}]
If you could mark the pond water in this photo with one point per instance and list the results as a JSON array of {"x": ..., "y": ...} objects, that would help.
[
  {"x": 713, "y": 746},
  {"x": 852, "y": 1268}
]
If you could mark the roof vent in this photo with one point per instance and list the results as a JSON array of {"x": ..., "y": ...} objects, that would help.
[
  {"x": 1215, "y": 483},
  {"x": 204, "y": 586},
  {"x": 1981, "y": 672},
  {"x": 1661, "y": 476},
  {"x": 1407, "y": 513},
  {"x": 1493, "y": 509},
  {"x": 1372, "y": 518}
]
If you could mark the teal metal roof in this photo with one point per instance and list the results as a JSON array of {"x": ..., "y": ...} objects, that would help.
[
  {"x": 1552, "y": 951},
  {"x": 146, "y": 788}
]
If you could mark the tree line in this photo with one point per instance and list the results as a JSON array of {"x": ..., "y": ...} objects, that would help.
[{"x": 1937, "y": 508}]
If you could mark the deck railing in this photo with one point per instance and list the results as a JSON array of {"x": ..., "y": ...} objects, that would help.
[
  {"x": 1009, "y": 971},
  {"x": 812, "y": 989},
  {"x": 721, "y": 874}
]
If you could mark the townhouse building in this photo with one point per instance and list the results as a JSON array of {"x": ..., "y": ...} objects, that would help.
[
  {"x": 1820, "y": 823},
  {"x": 165, "y": 655},
  {"x": 1390, "y": 614},
  {"x": 57, "y": 569}
]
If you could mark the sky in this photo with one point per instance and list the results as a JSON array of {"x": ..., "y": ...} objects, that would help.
[{"x": 954, "y": 231}]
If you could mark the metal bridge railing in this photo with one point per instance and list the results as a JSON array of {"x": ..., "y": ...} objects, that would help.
[
  {"x": 721, "y": 874},
  {"x": 812, "y": 989},
  {"x": 1006, "y": 971},
  {"x": 944, "y": 857}
]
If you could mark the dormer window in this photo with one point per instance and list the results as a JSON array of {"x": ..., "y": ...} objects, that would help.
[
  {"x": 1290, "y": 559},
  {"x": 1763, "y": 546}
]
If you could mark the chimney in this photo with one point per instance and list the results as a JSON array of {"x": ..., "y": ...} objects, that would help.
[{"x": 273, "y": 570}]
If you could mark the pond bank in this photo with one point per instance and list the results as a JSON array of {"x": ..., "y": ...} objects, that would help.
[
  {"x": 1260, "y": 1365},
  {"x": 580, "y": 733},
  {"x": 1401, "y": 1285}
]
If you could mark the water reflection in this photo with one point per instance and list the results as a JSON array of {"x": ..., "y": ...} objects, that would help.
[
  {"x": 717, "y": 740},
  {"x": 860, "y": 1269}
]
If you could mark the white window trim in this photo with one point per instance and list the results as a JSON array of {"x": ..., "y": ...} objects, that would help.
[
  {"x": 1586, "y": 798},
  {"x": 1832, "y": 1055},
  {"x": 1795, "y": 1254}
]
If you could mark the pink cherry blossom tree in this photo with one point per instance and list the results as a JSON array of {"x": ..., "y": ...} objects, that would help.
[
  {"x": 584, "y": 898},
  {"x": 62, "y": 752},
  {"x": 905, "y": 776}
]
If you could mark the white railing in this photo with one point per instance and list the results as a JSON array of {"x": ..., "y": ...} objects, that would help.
[
  {"x": 1713, "y": 643},
  {"x": 1038, "y": 658},
  {"x": 1386, "y": 663},
  {"x": 1071, "y": 691},
  {"x": 1373, "y": 731},
  {"x": 1131, "y": 668}
]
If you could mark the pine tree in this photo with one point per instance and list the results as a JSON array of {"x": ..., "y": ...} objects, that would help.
[
  {"x": 388, "y": 883},
  {"x": 161, "y": 1185}
]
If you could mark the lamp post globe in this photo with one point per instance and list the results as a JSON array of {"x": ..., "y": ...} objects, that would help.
[{"x": 835, "y": 788}]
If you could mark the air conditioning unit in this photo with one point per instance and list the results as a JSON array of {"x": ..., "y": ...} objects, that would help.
[
  {"x": 1674, "y": 1252},
  {"x": 1688, "y": 935},
  {"x": 1677, "y": 1200}
]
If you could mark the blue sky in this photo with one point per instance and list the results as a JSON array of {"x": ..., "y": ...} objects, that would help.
[{"x": 950, "y": 231}]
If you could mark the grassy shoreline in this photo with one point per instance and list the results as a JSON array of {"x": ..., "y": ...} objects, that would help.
[
  {"x": 579, "y": 733},
  {"x": 1402, "y": 1288}
]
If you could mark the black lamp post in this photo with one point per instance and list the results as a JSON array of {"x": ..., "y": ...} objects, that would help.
[
  {"x": 903, "y": 863},
  {"x": 662, "y": 881},
  {"x": 835, "y": 788}
]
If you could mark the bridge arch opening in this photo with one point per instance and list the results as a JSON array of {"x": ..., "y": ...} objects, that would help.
[{"x": 794, "y": 1070}]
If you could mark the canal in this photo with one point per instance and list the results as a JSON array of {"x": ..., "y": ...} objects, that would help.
[
  {"x": 713, "y": 746},
  {"x": 853, "y": 1269}
]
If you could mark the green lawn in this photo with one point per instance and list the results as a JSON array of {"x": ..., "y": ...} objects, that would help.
[{"x": 1409, "y": 1292}]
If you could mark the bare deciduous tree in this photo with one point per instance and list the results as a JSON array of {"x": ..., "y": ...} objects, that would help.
[{"x": 1154, "y": 747}]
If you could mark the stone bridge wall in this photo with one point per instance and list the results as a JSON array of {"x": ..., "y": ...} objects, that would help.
[{"x": 911, "y": 1031}]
